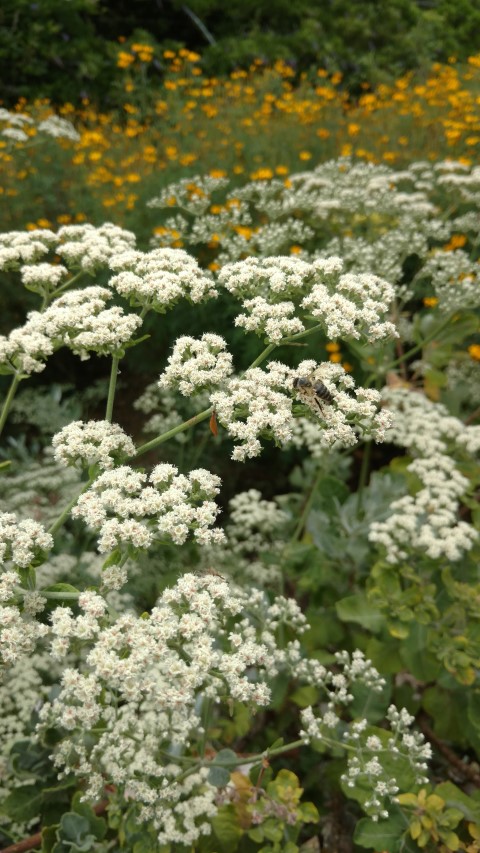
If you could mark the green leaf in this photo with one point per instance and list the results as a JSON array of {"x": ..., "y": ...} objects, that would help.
[
  {"x": 226, "y": 757},
  {"x": 357, "y": 608},
  {"x": 385, "y": 835},
  {"x": 305, "y": 696},
  {"x": 455, "y": 798},
  {"x": 218, "y": 776},
  {"x": 23, "y": 803},
  {"x": 226, "y": 828},
  {"x": 308, "y": 813},
  {"x": 49, "y": 837}
]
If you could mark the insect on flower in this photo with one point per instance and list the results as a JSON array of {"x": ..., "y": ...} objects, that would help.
[{"x": 312, "y": 391}]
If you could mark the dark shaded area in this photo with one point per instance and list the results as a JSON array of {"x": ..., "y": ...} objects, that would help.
[{"x": 68, "y": 51}]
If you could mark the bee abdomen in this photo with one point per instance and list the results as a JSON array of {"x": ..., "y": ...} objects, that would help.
[{"x": 322, "y": 392}]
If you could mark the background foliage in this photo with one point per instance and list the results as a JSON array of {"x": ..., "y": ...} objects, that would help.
[{"x": 67, "y": 51}]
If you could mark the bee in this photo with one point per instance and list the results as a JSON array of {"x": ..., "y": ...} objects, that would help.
[{"x": 312, "y": 390}]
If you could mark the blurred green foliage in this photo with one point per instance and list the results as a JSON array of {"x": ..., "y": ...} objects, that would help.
[{"x": 67, "y": 51}]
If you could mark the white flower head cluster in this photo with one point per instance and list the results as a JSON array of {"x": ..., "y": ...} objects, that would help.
[
  {"x": 139, "y": 692},
  {"x": 59, "y": 128},
  {"x": 191, "y": 194},
  {"x": 423, "y": 426},
  {"x": 427, "y": 522},
  {"x": 25, "y": 247},
  {"x": 41, "y": 277},
  {"x": 160, "y": 278},
  {"x": 92, "y": 443},
  {"x": 86, "y": 626},
  {"x": 352, "y": 305},
  {"x": 196, "y": 364},
  {"x": 365, "y": 767},
  {"x": 255, "y": 540},
  {"x": 77, "y": 319},
  {"x": 19, "y": 634},
  {"x": 347, "y": 304},
  {"x": 275, "y": 321},
  {"x": 455, "y": 278},
  {"x": 343, "y": 415},
  {"x": 91, "y": 248},
  {"x": 22, "y": 541},
  {"x": 256, "y": 404},
  {"x": 127, "y": 507}
]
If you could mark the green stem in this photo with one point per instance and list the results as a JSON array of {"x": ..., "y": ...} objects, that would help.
[
  {"x": 63, "y": 287},
  {"x": 53, "y": 596},
  {"x": 111, "y": 387},
  {"x": 207, "y": 707},
  {"x": 263, "y": 355},
  {"x": 307, "y": 506},
  {"x": 150, "y": 445},
  {"x": 419, "y": 346},
  {"x": 197, "y": 419},
  {"x": 17, "y": 378},
  {"x": 364, "y": 472},
  {"x": 61, "y": 518}
]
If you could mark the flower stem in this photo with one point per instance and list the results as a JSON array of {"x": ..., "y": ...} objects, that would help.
[
  {"x": 61, "y": 518},
  {"x": 197, "y": 419},
  {"x": 419, "y": 346},
  {"x": 111, "y": 388},
  {"x": 17, "y": 378},
  {"x": 64, "y": 286}
]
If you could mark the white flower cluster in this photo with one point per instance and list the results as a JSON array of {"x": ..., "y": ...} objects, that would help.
[
  {"x": 135, "y": 703},
  {"x": 255, "y": 540},
  {"x": 91, "y": 248},
  {"x": 158, "y": 279},
  {"x": 455, "y": 278},
  {"x": 54, "y": 126},
  {"x": 25, "y": 247},
  {"x": 92, "y": 443},
  {"x": 41, "y": 277},
  {"x": 351, "y": 305},
  {"x": 344, "y": 416},
  {"x": 347, "y": 304},
  {"x": 259, "y": 404},
  {"x": 196, "y": 364},
  {"x": 428, "y": 522},
  {"x": 127, "y": 507},
  {"x": 59, "y": 128},
  {"x": 19, "y": 634},
  {"x": 276, "y": 321},
  {"x": 22, "y": 541},
  {"x": 366, "y": 747},
  {"x": 191, "y": 194},
  {"x": 77, "y": 319},
  {"x": 423, "y": 426},
  {"x": 256, "y": 404}
]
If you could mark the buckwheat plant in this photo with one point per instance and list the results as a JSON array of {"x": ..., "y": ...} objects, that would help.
[{"x": 141, "y": 708}]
